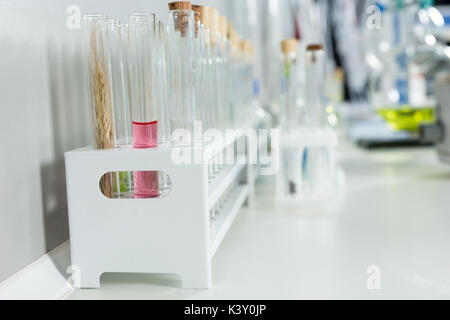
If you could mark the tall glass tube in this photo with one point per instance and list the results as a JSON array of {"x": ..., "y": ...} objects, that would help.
[
  {"x": 117, "y": 67},
  {"x": 198, "y": 68},
  {"x": 315, "y": 73},
  {"x": 204, "y": 93},
  {"x": 235, "y": 67},
  {"x": 203, "y": 84},
  {"x": 174, "y": 80},
  {"x": 288, "y": 116},
  {"x": 315, "y": 159},
  {"x": 160, "y": 78},
  {"x": 205, "y": 90},
  {"x": 100, "y": 90},
  {"x": 247, "y": 78},
  {"x": 225, "y": 47},
  {"x": 161, "y": 81},
  {"x": 117, "y": 36},
  {"x": 144, "y": 114},
  {"x": 215, "y": 62},
  {"x": 181, "y": 25},
  {"x": 292, "y": 157}
]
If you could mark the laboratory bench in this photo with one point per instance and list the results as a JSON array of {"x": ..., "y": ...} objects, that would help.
[{"x": 392, "y": 222}]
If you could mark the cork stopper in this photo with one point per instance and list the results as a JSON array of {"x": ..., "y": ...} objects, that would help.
[
  {"x": 180, "y": 5},
  {"x": 339, "y": 73},
  {"x": 182, "y": 17},
  {"x": 245, "y": 46},
  {"x": 213, "y": 24},
  {"x": 196, "y": 24},
  {"x": 314, "y": 47},
  {"x": 289, "y": 46},
  {"x": 202, "y": 12},
  {"x": 247, "y": 50},
  {"x": 223, "y": 26},
  {"x": 213, "y": 19},
  {"x": 235, "y": 39},
  {"x": 251, "y": 51},
  {"x": 230, "y": 30},
  {"x": 223, "y": 29}
]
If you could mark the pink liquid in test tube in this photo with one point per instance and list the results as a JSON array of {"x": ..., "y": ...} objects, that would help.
[{"x": 145, "y": 135}]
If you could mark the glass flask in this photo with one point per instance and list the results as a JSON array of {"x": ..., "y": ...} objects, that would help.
[{"x": 396, "y": 83}]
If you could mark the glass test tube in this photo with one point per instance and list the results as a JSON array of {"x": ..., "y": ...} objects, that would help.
[
  {"x": 204, "y": 89},
  {"x": 102, "y": 117},
  {"x": 198, "y": 68},
  {"x": 225, "y": 71},
  {"x": 144, "y": 113},
  {"x": 292, "y": 157},
  {"x": 220, "y": 26},
  {"x": 162, "y": 102},
  {"x": 216, "y": 108},
  {"x": 235, "y": 67},
  {"x": 314, "y": 73},
  {"x": 215, "y": 51},
  {"x": 117, "y": 38},
  {"x": 290, "y": 91},
  {"x": 181, "y": 26},
  {"x": 162, "y": 82},
  {"x": 117, "y": 35}
]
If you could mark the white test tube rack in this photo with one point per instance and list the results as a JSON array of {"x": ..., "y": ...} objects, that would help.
[
  {"x": 309, "y": 138},
  {"x": 162, "y": 235}
]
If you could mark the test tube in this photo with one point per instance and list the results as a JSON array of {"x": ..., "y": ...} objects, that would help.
[
  {"x": 117, "y": 66},
  {"x": 289, "y": 119},
  {"x": 205, "y": 90},
  {"x": 117, "y": 36},
  {"x": 144, "y": 112},
  {"x": 216, "y": 80},
  {"x": 314, "y": 73},
  {"x": 199, "y": 67},
  {"x": 102, "y": 118},
  {"x": 160, "y": 79},
  {"x": 174, "y": 80},
  {"x": 181, "y": 25},
  {"x": 215, "y": 61},
  {"x": 162, "y": 95},
  {"x": 235, "y": 67},
  {"x": 225, "y": 70}
]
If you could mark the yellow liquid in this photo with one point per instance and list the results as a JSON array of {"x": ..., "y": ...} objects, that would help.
[{"x": 406, "y": 117}]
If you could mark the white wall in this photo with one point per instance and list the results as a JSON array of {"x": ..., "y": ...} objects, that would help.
[{"x": 42, "y": 117}]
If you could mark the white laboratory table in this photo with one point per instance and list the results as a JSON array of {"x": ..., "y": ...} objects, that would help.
[{"x": 395, "y": 214}]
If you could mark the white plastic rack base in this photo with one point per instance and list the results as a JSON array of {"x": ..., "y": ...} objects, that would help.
[
  {"x": 163, "y": 235},
  {"x": 310, "y": 138}
]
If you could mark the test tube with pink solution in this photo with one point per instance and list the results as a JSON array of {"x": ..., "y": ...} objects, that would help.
[
  {"x": 143, "y": 92},
  {"x": 146, "y": 183}
]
